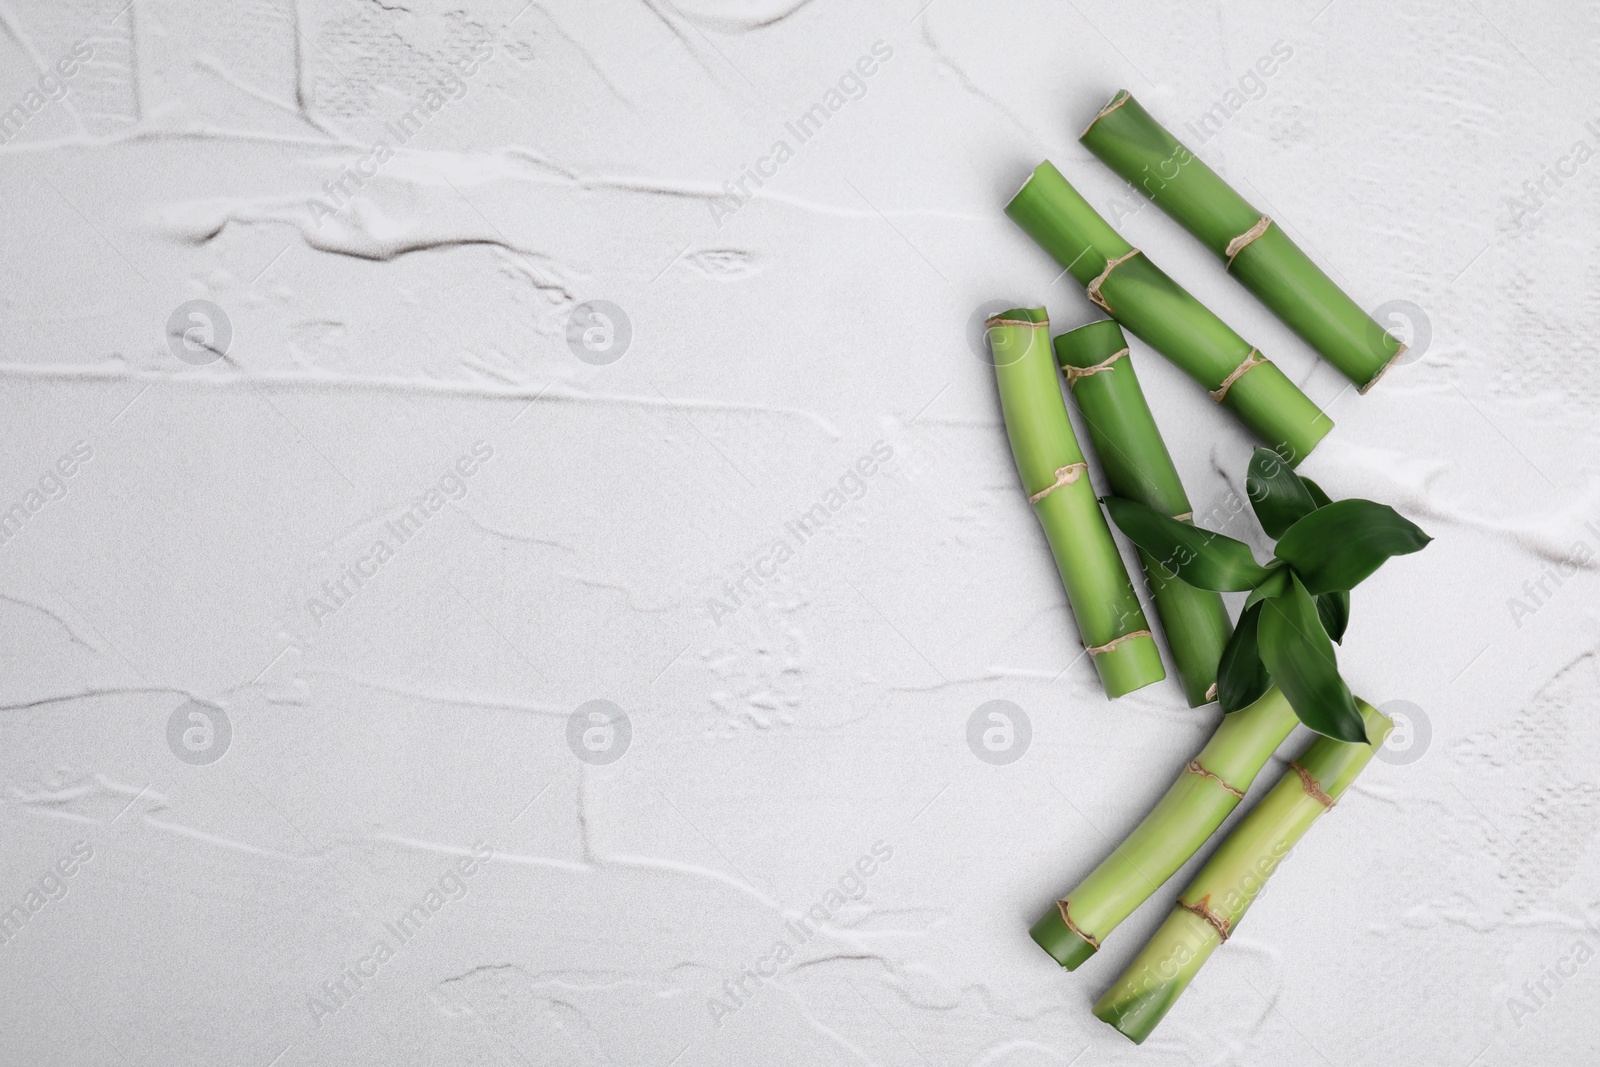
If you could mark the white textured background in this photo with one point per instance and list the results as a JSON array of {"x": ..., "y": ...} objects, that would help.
[{"x": 373, "y": 745}]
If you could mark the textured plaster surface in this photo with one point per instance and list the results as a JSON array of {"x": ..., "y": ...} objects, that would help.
[{"x": 794, "y": 770}]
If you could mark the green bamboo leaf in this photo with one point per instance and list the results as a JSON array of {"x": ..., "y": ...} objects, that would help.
[
  {"x": 1334, "y": 609},
  {"x": 1276, "y": 583},
  {"x": 1301, "y": 660},
  {"x": 1335, "y": 547},
  {"x": 1241, "y": 676},
  {"x": 1277, "y": 494},
  {"x": 1317, "y": 495},
  {"x": 1201, "y": 558}
]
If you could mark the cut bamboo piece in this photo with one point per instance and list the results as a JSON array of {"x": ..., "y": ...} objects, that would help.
[
  {"x": 1056, "y": 480},
  {"x": 1135, "y": 292},
  {"x": 1254, "y": 247},
  {"x": 1138, "y": 466},
  {"x": 1209, "y": 909},
  {"x": 1207, "y": 790}
]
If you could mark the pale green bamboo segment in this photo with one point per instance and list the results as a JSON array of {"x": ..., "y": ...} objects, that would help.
[
  {"x": 1134, "y": 291},
  {"x": 1255, "y": 248},
  {"x": 1208, "y": 911},
  {"x": 1137, "y": 465},
  {"x": 1206, "y": 791},
  {"x": 1055, "y": 478}
]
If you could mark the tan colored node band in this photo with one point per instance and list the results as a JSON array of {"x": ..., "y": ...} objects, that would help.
[
  {"x": 1061, "y": 906},
  {"x": 1202, "y": 908},
  {"x": 1313, "y": 789},
  {"x": 1110, "y": 646},
  {"x": 1064, "y": 476},
  {"x": 1184, "y": 516},
  {"x": 1211, "y": 693},
  {"x": 1093, "y": 288},
  {"x": 1241, "y": 242},
  {"x": 1196, "y": 767},
  {"x": 1074, "y": 373},
  {"x": 1000, "y": 321},
  {"x": 1253, "y": 360}
]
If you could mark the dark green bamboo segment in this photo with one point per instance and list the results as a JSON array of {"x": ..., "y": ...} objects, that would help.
[
  {"x": 1206, "y": 791},
  {"x": 1159, "y": 311},
  {"x": 1138, "y": 466},
  {"x": 1256, "y": 250},
  {"x": 1056, "y": 479},
  {"x": 1209, "y": 909}
]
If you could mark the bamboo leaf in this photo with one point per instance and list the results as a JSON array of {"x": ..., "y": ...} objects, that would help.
[
  {"x": 1241, "y": 676},
  {"x": 1277, "y": 494},
  {"x": 1276, "y": 583},
  {"x": 1334, "y": 610},
  {"x": 1300, "y": 658},
  {"x": 1201, "y": 558},
  {"x": 1317, "y": 495},
  {"x": 1337, "y": 546}
]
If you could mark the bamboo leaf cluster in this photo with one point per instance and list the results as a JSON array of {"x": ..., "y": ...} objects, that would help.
[{"x": 1299, "y": 603}]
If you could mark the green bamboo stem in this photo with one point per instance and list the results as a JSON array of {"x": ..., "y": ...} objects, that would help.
[
  {"x": 1056, "y": 479},
  {"x": 1255, "y": 248},
  {"x": 1209, "y": 910},
  {"x": 1135, "y": 292},
  {"x": 1138, "y": 466},
  {"x": 1206, "y": 791}
]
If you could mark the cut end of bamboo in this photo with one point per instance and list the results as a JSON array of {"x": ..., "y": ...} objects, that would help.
[
  {"x": 1055, "y": 934},
  {"x": 1121, "y": 97},
  {"x": 1376, "y": 378}
]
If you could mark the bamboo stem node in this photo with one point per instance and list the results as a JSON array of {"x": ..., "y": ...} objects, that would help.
[
  {"x": 1064, "y": 476},
  {"x": 1109, "y": 646},
  {"x": 1001, "y": 320},
  {"x": 1093, "y": 288},
  {"x": 1211, "y": 694},
  {"x": 1184, "y": 516},
  {"x": 1074, "y": 373},
  {"x": 1196, "y": 767},
  {"x": 1202, "y": 908},
  {"x": 1241, "y": 242},
  {"x": 1061, "y": 906},
  {"x": 1253, "y": 360},
  {"x": 1312, "y": 787}
]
